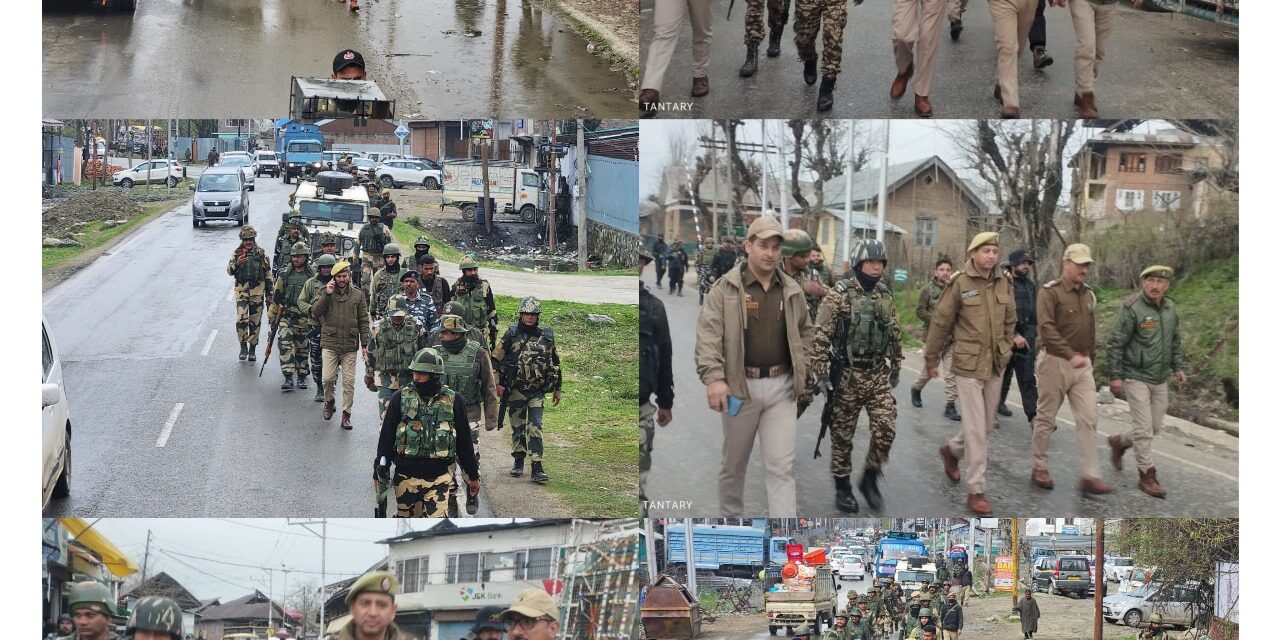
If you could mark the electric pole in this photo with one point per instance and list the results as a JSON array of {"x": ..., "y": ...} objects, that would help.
[
  {"x": 307, "y": 524},
  {"x": 146, "y": 555}
]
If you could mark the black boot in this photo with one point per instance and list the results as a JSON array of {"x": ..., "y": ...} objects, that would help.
[
  {"x": 302, "y": 382},
  {"x": 452, "y": 511},
  {"x": 915, "y": 399},
  {"x": 287, "y": 385},
  {"x": 319, "y": 392},
  {"x": 253, "y": 356},
  {"x": 473, "y": 504},
  {"x": 824, "y": 93},
  {"x": 775, "y": 44},
  {"x": 844, "y": 495},
  {"x": 517, "y": 469},
  {"x": 1003, "y": 410},
  {"x": 870, "y": 488},
  {"x": 950, "y": 413},
  {"x": 956, "y": 27},
  {"x": 811, "y": 71},
  {"x": 749, "y": 67},
  {"x": 538, "y": 475},
  {"x": 244, "y": 350}
]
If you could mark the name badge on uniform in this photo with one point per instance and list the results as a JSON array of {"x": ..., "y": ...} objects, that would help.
[
  {"x": 1147, "y": 323},
  {"x": 751, "y": 305},
  {"x": 969, "y": 294}
]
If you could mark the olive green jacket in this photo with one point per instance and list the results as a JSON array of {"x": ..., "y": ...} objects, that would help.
[
  {"x": 1145, "y": 342},
  {"x": 344, "y": 319}
]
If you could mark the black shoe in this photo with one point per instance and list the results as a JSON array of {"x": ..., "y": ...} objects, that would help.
[
  {"x": 775, "y": 44},
  {"x": 538, "y": 475},
  {"x": 1040, "y": 58},
  {"x": 824, "y": 93},
  {"x": 1003, "y": 410},
  {"x": 811, "y": 71},
  {"x": 749, "y": 67},
  {"x": 453, "y": 508},
  {"x": 844, "y": 495},
  {"x": 915, "y": 399},
  {"x": 302, "y": 382},
  {"x": 319, "y": 392},
  {"x": 517, "y": 469},
  {"x": 244, "y": 350},
  {"x": 956, "y": 27},
  {"x": 950, "y": 413},
  {"x": 473, "y": 504},
  {"x": 870, "y": 488},
  {"x": 287, "y": 385},
  {"x": 253, "y": 357}
]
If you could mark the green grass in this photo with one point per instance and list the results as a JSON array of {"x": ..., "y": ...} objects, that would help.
[
  {"x": 96, "y": 236},
  {"x": 406, "y": 234},
  {"x": 904, "y": 302},
  {"x": 594, "y": 428}
]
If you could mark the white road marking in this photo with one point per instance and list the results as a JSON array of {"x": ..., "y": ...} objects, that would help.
[
  {"x": 209, "y": 343},
  {"x": 168, "y": 425},
  {"x": 231, "y": 294}
]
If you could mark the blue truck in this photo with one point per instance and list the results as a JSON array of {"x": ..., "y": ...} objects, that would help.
[
  {"x": 726, "y": 550},
  {"x": 300, "y": 148},
  {"x": 895, "y": 546}
]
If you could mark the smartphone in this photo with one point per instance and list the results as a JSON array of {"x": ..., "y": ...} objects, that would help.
[{"x": 735, "y": 405}]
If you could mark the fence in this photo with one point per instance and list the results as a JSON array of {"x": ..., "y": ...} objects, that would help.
[{"x": 612, "y": 186}]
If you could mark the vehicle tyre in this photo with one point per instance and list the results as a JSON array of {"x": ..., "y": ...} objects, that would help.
[
  {"x": 791, "y": 631},
  {"x": 62, "y": 488},
  {"x": 286, "y": 177},
  {"x": 1053, "y": 589},
  {"x": 469, "y": 213},
  {"x": 195, "y": 222},
  {"x": 240, "y": 221},
  {"x": 173, "y": 181},
  {"x": 387, "y": 182},
  {"x": 1133, "y": 618},
  {"x": 431, "y": 183},
  {"x": 773, "y": 631},
  {"x": 127, "y": 183},
  {"x": 527, "y": 213}
]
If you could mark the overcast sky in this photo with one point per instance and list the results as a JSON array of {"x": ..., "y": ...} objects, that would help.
[{"x": 202, "y": 554}]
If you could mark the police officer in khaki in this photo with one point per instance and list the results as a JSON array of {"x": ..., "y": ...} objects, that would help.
[
  {"x": 916, "y": 31},
  {"x": 92, "y": 606},
  {"x": 372, "y": 600},
  {"x": 1066, "y": 313},
  {"x": 976, "y": 312},
  {"x": 1011, "y": 22},
  {"x": 1144, "y": 349},
  {"x": 533, "y": 615},
  {"x": 752, "y": 333}
]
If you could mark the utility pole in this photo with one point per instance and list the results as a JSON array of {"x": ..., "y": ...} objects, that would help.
[
  {"x": 715, "y": 188},
  {"x": 271, "y": 594},
  {"x": 843, "y": 259},
  {"x": 1099, "y": 581},
  {"x": 484, "y": 176},
  {"x": 884, "y": 183},
  {"x": 689, "y": 558},
  {"x": 650, "y": 550},
  {"x": 307, "y": 524},
  {"x": 764, "y": 174},
  {"x": 582, "y": 197},
  {"x": 784, "y": 186},
  {"x": 1013, "y": 534}
]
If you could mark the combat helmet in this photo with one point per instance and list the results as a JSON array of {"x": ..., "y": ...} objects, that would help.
[
  {"x": 530, "y": 305},
  {"x": 453, "y": 308},
  {"x": 925, "y": 611},
  {"x": 326, "y": 260},
  {"x": 427, "y": 360},
  {"x": 1156, "y": 618},
  {"x": 469, "y": 262},
  {"x": 397, "y": 306},
  {"x": 390, "y": 249},
  {"x": 156, "y": 613},
  {"x": 864, "y": 250},
  {"x": 301, "y": 249},
  {"x": 94, "y": 596},
  {"x": 328, "y": 238},
  {"x": 795, "y": 241},
  {"x": 422, "y": 240},
  {"x": 454, "y": 323},
  {"x": 374, "y": 213},
  {"x": 247, "y": 232}
]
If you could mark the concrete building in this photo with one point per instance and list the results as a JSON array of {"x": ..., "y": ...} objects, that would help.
[
  {"x": 1119, "y": 174},
  {"x": 72, "y": 551}
]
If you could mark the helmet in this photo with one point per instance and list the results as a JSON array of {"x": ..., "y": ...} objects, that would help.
[
  {"x": 328, "y": 238},
  {"x": 453, "y": 308},
  {"x": 865, "y": 250},
  {"x": 427, "y": 361},
  {"x": 422, "y": 240},
  {"x": 530, "y": 305},
  {"x": 802, "y": 630},
  {"x": 326, "y": 260},
  {"x": 390, "y": 249},
  {"x": 340, "y": 267},
  {"x": 398, "y": 307},
  {"x": 1157, "y": 618},
  {"x": 925, "y": 611},
  {"x": 795, "y": 241},
  {"x": 155, "y": 613},
  {"x": 469, "y": 262},
  {"x": 856, "y": 613},
  {"x": 374, "y": 213},
  {"x": 295, "y": 216},
  {"x": 301, "y": 249},
  {"x": 453, "y": 323},
  {"x": 247, "y": 232},
  {"x": 92, "y": 595}
]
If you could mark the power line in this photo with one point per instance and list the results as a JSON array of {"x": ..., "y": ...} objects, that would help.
[
  {"x": 290, "y": 533},
  {"x": 206, "y": 573},
  {"x": 261, "y": 568}
]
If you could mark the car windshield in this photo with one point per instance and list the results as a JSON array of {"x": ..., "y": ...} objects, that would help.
[
  {"x": 219, "y": 182},
  {"x": 363, "y": 163},
  {"x": 267, "y": 156},
  {"x": 334, "y": 210},
  {"x": 1122, "y": 562},
  {"x": 235, "y": 161},
  {"x": 306, "y": 147},
  {"x": 915, "y": 576}
]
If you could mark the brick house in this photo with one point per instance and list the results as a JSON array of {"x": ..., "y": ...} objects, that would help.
[
  {"x": 677, "y": 215},
  {"x": 1117, "y": 174}
]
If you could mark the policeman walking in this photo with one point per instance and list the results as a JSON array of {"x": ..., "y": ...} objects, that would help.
[
  {"x": 857, "y": 325},
  {"x": 469, "y": 372},
  {"x": 294, "y": 322},
  {"x": 372, "y": 602},
  {"x": 476, "y": 298},
  {"x": 529, "y": 367},
  {"x": 677, "y": 264},
  {"x": 252, "y": 273},
  {"x": 343, "y": 312},
  {"x": 655, "y": 373},
  {"x": 924, "y": 311},
  {"x": 1024, "y": 337}
]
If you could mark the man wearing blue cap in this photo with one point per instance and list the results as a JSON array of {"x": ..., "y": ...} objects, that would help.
[{"x": 488, "y": 626}]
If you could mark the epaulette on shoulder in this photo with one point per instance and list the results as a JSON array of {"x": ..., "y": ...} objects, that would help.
[
  {"x": 1130, "y": 300},
  {"x": 1050, "y": 284}
]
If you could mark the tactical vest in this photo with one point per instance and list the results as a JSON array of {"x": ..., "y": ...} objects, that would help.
[
  {"x": 870, "y": 331},
  {"x": 384, "y": 287},
  {"x": 396, "y": 347},
  {"x": 475, "y": 311},
  {"x": 459, "y": 371},
  {"x": 426, "y": 428},
  {"x": 372, "y": 240},
  {"x": 293, "y": 282},
  {"x": 251, "y": 270},
  {"x": 532, "y": 362}
]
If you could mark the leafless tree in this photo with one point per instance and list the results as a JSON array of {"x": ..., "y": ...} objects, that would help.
[
  {"x": 821, "y": 147},
  {"x": 306, "y": 601}
]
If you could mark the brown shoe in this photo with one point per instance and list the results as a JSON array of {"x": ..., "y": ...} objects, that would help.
[
  {"x": 1118, "y": 446},
  {"x": 1041, "y": 478},
  {"x": 923, "y": 108},
  {"x": 978, "y": 505},
  {"x": 346, "y": 420},
  {"x": 648, "y": 103},
  {"x": 1085, "y": 105},
  {"x": 899, "y": 86},
  {"x": 328, "y": 409},
  {"x": 1095, "y": 486},
  {"x": 1010, "y": 113},
  {"x": 701, "y": 86},
  {"x": 1148, "y": 484},
  {"x": 950, "y": 464}
]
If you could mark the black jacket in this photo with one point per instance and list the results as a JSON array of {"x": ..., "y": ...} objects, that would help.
[
  {"x": 952, "y": 618},
  {"x": 723, "y": 262},
  {"x": 655, "y": 351},
  {"x": 678, "y": 261},
  {"x": 1024, "y": 297}
]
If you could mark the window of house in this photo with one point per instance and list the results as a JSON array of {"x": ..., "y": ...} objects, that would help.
[
  {"x": 1133, "y": 162},
  {"x": 412, "y": 574},
  {"x": 926, "y": 232},
  {"x": 1166, "y": 200},
  {"x": 466, "y": 567},
  {"x": 534, "y": 564},
  {"x": 1169, "y": 163},
  {"x": 1129, "y": 199},
  {"x": 1202, "y": 163},
  {"x": 232, "y": 123}
]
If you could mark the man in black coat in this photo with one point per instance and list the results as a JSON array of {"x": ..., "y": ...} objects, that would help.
[
  {"x": 1024, "y": 337},
  {"x": 725, "y": 258},
  {"x": 677, "y": 264},
  {"x": 660, "y": 253},
  {"x": 655, "y": 373}
]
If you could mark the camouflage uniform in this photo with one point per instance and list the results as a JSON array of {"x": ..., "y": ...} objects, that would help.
[
  {"x": 294, "y": 322},
  {"x": 469, "y": 371},
  {"x": 253, "y": 285},
  {"x": 778, "y": 10},
  {"x": 529, "y": 368},
  {"x": 373, "y": 237},
  {"x": 424, "y": 497},
  {"x": 831, "y": 15},
  {"x": 478, "y": 308},
  {"x": 384, "y": 286},
  {"x": 390, "y": 353},
  {"x": 422, "y": 309},
  {"x": 311, "y": 290},
  {"x": 284, "y": 243}
]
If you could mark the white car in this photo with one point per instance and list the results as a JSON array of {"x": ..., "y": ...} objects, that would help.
[
  {"x": 244, "y": 162},
  {"x": 1116, "y": 568},
  {"x": 394, "y": 173},
  {"x": 158, "y": 171},
  {"x": 56, "y": 417},
  {"x": 853, "y": 568},
  {"x": 266, "y": 162}
]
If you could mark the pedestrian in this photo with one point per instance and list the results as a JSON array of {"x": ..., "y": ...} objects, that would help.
[
  {"x": 916, "y": 32},
  {"x": 951, "y": 619},
  {"x": 533, "y": 615},
  {"x": 1092, "y": 20},
  {"x": 1024, "y": 337},
  {"x": 966, "y": 584},
  {"x": 92, "y": 606},
  {"x": 328, "y": 246},
  {"x": 928, "y": 301},
  {"x": 677, "y": 264},
  {"x": 434, "y": 284},
  {"x": 213, "y": 157},
  {"x": 668, "y": 17},
  {"x": 252, "y": 273},
  {"x": 488, "y": 625},
  {"x": 778, "y": 10},
  {"x": 421, "y": 307},
  {"x": 944, "y": 574},
  {"x": 819, "y": 265},
  {"x": 1011, "y": 21},
  {"x": 66, "y": 627},
  {"x": 372, "y": 240},
  {"x": 424, "y": 432},
  {"x": 796, "y": 249},
  {"x": 750, "y": 351},
  {"x": 469, "y": 372},
  {"x": 725, "y": 260},
  {"x": 389, "y": 209},
  {"x": 976, "y": 312},
  {"x": 1143, "y": 351},
  {"x": 837, "y": 630},
  {"x": 830, "y": 16},
  {"x": 656, "y": 381},
  {"x": 348, "y": 65},
  {"x": 529, "y": 367},
  {"x": 311, "y": 291},
  {"x": 927, "y": 627},
  {"x": 372, "y": 603},
  {"x": 661, "y": 252},
  {"x": 386, "y": 281},
  {"x": 857, "y": 323},
  {"x": 475, "y": 297},
  {"x": 421, "y": 249},
  {"x": 856, "y": 628},
  {"x": 290, "y": 233},
  {"x": 154, "y": 618},
  {"x": 343, "y": 312},
  {"x": 294, "y": 322},
  {"x": 396, "y": 339},
  {"x": 1028, "y": 611},
  {"x": 1066, "y": 315}
]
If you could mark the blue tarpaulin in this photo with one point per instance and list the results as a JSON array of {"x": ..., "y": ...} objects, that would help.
[{"x": 612, "y": 186}]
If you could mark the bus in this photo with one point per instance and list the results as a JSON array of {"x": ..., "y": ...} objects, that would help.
[{"x": 895, "y": 546}]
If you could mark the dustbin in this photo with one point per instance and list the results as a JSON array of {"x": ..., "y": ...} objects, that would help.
[
  {"x": 480, "y": 209},
  {"x": 670, "y": 612}
]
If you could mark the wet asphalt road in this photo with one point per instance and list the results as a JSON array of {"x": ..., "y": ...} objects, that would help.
[
  {"x": 1198, "y": 468},
  {"x": 201, "y": 59},
  {"x": 1157, "y": 65}
]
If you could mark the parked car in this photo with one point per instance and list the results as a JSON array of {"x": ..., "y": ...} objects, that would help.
[
  {"x": 1064, "y": 574},
  {"x": 1116, "y": 568},
  {"x": 853, "y": 568},
  {"x": 242, "y": 162},
  {"x": 366, "y": 167},
  {"x": 266, "y": 162},
  {"x": 56, "y": 418},
  {"x": 221, "y": 193},
  {"x": 1176, "y": 604},
  {"x": 157, "y": 171},
  {"x": 331, "y": 158},
  {"x": 396, "y": 173}
]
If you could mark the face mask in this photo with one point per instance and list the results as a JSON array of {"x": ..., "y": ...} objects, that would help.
[
  {"x": 455, "y": 345},
  {"x": 427, "y": 389}
]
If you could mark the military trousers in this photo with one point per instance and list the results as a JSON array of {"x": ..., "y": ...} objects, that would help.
[
  {"x": 313, "y": 344},
  {"x": 778, "y": 10},
  {"x": 860, "y": 390},
  {"x": 475, "y": 419},
  {"x": 770, "y": 417},
  {"x": 249, "y": 298},
  {"x": 648, "y": 411},
  {"x": 293, "y": 345},
  {"x": 525, "y": 411},
  {"x": 668, "y": 17},
  {"x": 830, "y": 16},
  {"x": 1022, "y": 364},
  {"x": 948, "y": 376},
  {"x": 368, "y": 266},
  {"x": 388, "y": 383},
  {"x": 333, "y": 360},
  {"x": 978, "y": 400},
  {"x": 1011, "y": 21},
  {"x": 1092, "y": 24},
  {"x": 1058, "y": 381},
  {"x": 916, "y": 34},
  {"x": 1147, "y": 406},
  {"x": 421, "y": 497}
]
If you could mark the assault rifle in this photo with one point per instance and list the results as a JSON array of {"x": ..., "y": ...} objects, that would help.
[{"x": 836, "y": 353}]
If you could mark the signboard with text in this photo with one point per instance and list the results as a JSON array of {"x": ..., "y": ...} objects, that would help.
[{"x": 1004, "y": 574}]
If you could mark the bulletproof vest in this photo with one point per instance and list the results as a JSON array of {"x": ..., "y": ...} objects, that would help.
[
  {"x": 372, "y": 239},
  {"x": 459, "y": 371},
  {"x": 251, "y": 270},
  {"x": 474, "y": 309},
  {"x": 648, "y": 345},
  {"x": 293, "y": 282},
  {"x": 426, "y": 428},
  {"x": 531, "y": 359},
  {"x": 870, "y": 328},
  {"x": 386, "y": 286},
  {"x": 396, "y": 347},
  {"x": 436, "y": 291}
]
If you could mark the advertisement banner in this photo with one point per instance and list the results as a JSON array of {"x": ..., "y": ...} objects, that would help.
[{"x": 1004, "y": 579}]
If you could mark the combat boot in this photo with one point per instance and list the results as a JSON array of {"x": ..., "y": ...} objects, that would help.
[
  {"x": 1118, "y": 446},
  {"x": 473, "y": 504},
  {"x": 538, "y": 475},
  {"x": 978, "y": 504},
  {"x": 1004, "y": 410},
  {"x": 916, "y": 401},
  {"x": 811, "y": 71},
  {"x": 869, "y": 486},
  {"x": 244, "y": 350},
  {"x": 956, "y": 27},
  {"x": 328, "y": 409},
  {"x": 452, "y": 512},
  {"x": 346, "y": 420},
  {"x": 825, "y": 99},
  {"x": 775, "y": 44},
  {"x": 287, "y": 385},
  {"x": 302, "y": 382},
  {"x": 749, "y": 67},
  {"x": 319, "y": 392},
  {"x": 1148, "y": 484},
  {"x": 950, "y": 412},
  {"x": 844, "y": 495},
  {"x": 517, "y": 469},
  {"x": 253, "y": 356}
]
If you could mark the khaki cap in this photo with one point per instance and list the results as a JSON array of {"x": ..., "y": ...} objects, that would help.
[
  {"x": 984, "y": 238},
  {"x": 763, "y": 228},
  {"x": 1158, "y": 271},
  {"x": 534, "y": 603},
  {"x": 1078, "y": 253},
  {"x": 374, "y": 582}
]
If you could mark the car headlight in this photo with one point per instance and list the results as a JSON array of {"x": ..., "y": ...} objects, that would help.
[{"x": 235, "y": 202}]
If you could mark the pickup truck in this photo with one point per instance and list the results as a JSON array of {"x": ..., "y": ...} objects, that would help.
[{"x": 790, "y": 609}]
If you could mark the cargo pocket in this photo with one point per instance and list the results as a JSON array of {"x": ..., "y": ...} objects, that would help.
[{"x": 965, "y": 356}]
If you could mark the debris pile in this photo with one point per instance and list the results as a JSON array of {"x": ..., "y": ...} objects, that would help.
[{"x": 82, "y": 208}]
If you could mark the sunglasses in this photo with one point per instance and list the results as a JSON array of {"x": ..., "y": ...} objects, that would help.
[{"x": 525, "y": 622}]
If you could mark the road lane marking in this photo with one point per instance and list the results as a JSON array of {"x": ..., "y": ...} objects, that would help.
[
  {"x": 168, "y": 425},
  {"x": 209, "y": 343}
]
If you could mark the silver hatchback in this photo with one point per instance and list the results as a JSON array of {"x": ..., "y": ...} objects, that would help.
[{"x": 221, "y": 194}]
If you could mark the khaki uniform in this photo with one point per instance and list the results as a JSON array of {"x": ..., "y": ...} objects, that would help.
[
  {"x": 668, "y": 17},
  {"x": 1092, "y": 20},
  {"x": 1065, "y": 318},
  {"x": 917, "y": 30},
  {"x": 344, "y": 320},
  {"x": 924, "y": 310},
  {"x": 1011, "y": 20},
  {"x": 978, "y": 315}
]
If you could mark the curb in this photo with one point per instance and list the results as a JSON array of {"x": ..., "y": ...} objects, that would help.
[{"x": 593, "y": 29}]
